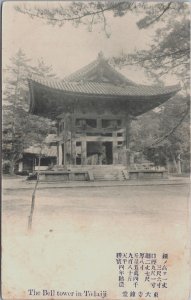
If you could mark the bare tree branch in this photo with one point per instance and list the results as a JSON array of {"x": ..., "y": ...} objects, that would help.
[
  {"x": 156, "y": 19},
  {"x": 79, "y": 17},
  {"x": 185, "y": 113},
  {"x": 182, "y": 52}
]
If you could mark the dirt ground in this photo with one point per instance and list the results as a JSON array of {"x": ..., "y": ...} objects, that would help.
[{"x": 77, "y": 232}]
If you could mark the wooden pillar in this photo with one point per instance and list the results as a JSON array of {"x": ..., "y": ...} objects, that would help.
[
  {"x": 59, "y": 154},
  {"x": 115, "y": 152},
  {"x": 127, "y": 139},
  {"x": 73, "y": 141},
  {"x": 73, "y": 151},
  {"x": 33, "y": 163},
  {"x": 84, "y": 152}
]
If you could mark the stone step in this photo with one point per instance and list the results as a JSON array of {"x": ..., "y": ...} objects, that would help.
[{"x": 101, "y": 175}]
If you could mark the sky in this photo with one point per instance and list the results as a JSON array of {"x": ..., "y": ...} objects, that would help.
[{"x": 68, "y": 48}]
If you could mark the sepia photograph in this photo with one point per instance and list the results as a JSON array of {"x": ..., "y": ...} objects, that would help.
[{"x": 95, "y": 150}]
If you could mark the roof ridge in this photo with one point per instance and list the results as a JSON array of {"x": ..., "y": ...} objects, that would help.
[
  {"x": 100, "y": 60},
  {"x": 84, "y": 69},
  {"x": 120, "y": 74}
]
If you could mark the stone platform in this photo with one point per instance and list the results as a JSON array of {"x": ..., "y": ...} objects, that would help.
[
  {"x": 148, "y": 174},
  {"x": 99, "y": 173},
  {"x": 20, "y": 183}
]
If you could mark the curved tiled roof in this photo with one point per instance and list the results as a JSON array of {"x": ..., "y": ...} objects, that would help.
[
  {"x": 92, "y": 67},
  {"x": 106, "y": 89},
  {"x": 96, "y": 81}
]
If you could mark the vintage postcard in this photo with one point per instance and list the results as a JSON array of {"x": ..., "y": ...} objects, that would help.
[{"x": 95, "y": 150}]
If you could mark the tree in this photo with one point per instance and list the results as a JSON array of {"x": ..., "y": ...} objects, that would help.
[
  {"x": 14, "y": 107},
  {"x": 169, "y": 52},
  {"x": 94, "y": 12},
  {"x": 39, "y": 128},
  {"x": 150, "y": 134},
  {"x": 19, "y": 128},
  {"x": 78, "y": 13},
  {"x": 43, "y": 70},
  {"x": 167, "y": 131}
]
